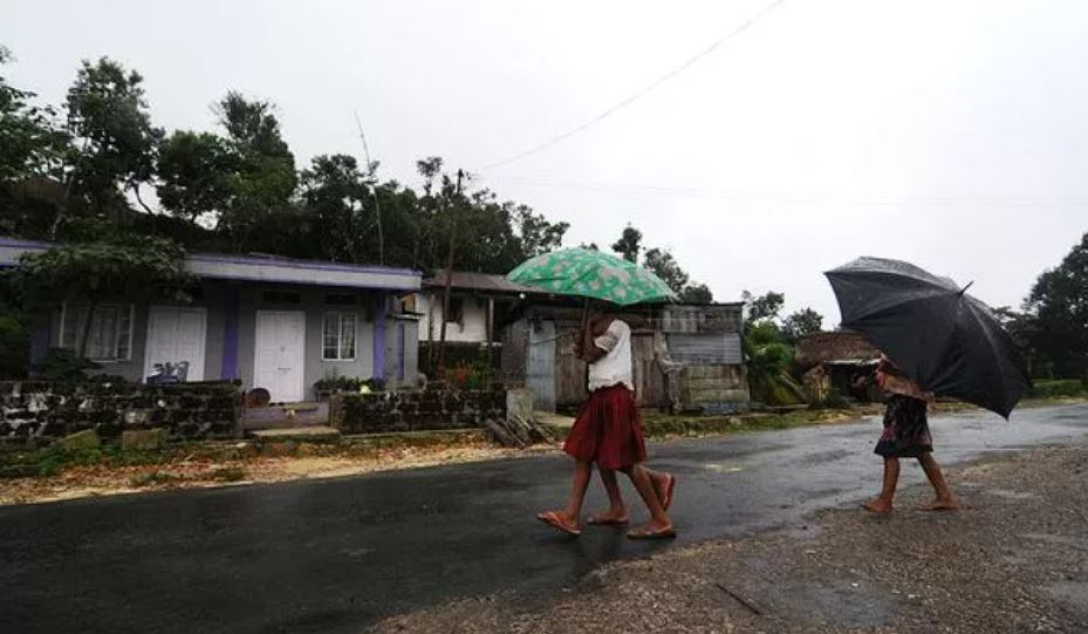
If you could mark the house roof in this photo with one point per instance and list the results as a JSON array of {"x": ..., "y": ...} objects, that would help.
[
  {"x": 271, "y": 269},
  {"x": 835, "y": 348},
  {"x": 482, "y": 282}
]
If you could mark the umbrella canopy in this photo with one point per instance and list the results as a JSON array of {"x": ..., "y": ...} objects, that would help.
[
  {"x": 592, "y": 274},
  {"x": 949, "y": 342}
]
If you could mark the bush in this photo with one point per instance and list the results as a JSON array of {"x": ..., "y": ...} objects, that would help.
[
  {"x": 14, "y": 347},
  {"x": 64, "y": 366},
  {"x": 1048, "y": 389}
]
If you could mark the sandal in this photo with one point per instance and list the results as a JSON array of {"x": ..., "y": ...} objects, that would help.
[
  {"x": 646, "y": 533},
  {"x": 554, "y": 519},
  {"x": 597, "y": 520}
]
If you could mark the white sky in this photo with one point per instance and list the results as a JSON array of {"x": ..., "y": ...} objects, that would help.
[{"x": 949, "y": 133}]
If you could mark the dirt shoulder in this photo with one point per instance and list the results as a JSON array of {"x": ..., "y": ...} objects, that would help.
[{"x": 1013, "y": 559}]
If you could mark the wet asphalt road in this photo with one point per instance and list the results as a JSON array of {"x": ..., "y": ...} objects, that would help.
[{"x": 335, "y": 555}]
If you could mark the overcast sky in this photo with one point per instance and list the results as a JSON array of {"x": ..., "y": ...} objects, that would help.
[{"x": 950, "y": 133}]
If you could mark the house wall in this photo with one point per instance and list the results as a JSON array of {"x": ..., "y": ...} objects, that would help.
[
  {"x": 472, "y": 329},
  {"x": 399, "y": 334},
  {"x": 312, "y": 304}
]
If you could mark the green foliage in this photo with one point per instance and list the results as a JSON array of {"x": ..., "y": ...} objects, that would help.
[
  {"x": 630, "y": 244},
  {"x": 236, "y": 190},
  {"x": 662, "y": 264},
  {"x": 1050, "y": 389},
  {"x": 196, "y": 173},
  {"x": 696, "y": 294},
  {"x": 93, "y": 272},
  {"x": 14, "y": 347},
  {"x": 801, "y": 324},
  {"x": 64, "y": 366},
  {"x": 1059, "y": 307},
  {"x": 108, "y": 115},
  {"x": 762, "y": 308},
  {"x": 769, "y": 352}
]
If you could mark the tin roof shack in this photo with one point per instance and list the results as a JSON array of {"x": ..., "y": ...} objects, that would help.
[
  {"x": 841, "y": 361},
  {"x": 686, "y": 357}
]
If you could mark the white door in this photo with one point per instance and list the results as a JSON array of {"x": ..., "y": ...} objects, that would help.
[
  {"x": 280, "y": 346},
  {"x": 175, "y": 343}
]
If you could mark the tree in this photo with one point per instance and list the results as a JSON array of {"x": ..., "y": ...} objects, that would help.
[
  {"x": 696, "y": 294},
  {"x": 630, "y": 244},
  {"x": 537, "y": 234},
  {"x": 340, "y": 209},
  {"x": 265, "y": 178},
  {"x": 1059, "y": 303},
  {"x": 108, "y": 116},
  {"x": 28, "y": 133},
  {"x": 197, "y": 172},
  {"x": 763, "y": 308},
  {"x": 91, "y": 273},
  {"x": 801, "y": 324},
  {"x": 662, "y": 264},
  {"x": 32, "y": 147}
]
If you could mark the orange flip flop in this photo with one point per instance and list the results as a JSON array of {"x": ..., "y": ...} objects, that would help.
[
  {"x": 665, "y": 533},
  {"x": 598, "y": 521},
  {"x": 554, "y": 519}
]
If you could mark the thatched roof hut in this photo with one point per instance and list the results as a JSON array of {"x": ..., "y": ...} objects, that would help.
[{"x": 835, "y": 348}]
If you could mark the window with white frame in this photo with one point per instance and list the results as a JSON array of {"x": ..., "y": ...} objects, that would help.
[
  {"x": 109, "y": 335},
  {"x": 338, "y": 342}
]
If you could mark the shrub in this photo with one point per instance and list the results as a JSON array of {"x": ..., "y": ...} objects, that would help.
[{"x": 1069, "y": 387}]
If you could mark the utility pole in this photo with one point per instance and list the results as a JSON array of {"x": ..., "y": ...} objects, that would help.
[
  {"x": 449, "y": 277},
  {"x": 374, "y": 192}
]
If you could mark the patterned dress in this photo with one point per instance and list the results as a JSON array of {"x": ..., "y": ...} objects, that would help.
[{"x": 906, "y": 425}]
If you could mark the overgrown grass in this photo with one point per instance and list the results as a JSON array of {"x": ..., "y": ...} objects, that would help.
[
  {"x": 1054, "y": 389},
  {"x": 666, "y": 425},
  {"x": 53, "y": 460}
]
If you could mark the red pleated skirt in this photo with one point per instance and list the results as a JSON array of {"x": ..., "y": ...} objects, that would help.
[{"x": 607, "y": 430}]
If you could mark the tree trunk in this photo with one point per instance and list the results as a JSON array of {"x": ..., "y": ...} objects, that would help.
[{"x": 86, "y": 328}]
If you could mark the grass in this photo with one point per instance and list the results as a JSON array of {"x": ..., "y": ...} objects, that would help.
[{"x": 658, "y": 426}]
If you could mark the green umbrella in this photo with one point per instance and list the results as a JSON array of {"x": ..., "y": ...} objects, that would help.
[{"x": 592, "y": 274}]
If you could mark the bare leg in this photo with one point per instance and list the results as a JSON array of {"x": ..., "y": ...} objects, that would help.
[
  {"x": 944, "y": 500},
  {"x": 883, "y": 504},
  {"x": 659, "y": 519},
  {"x": 617, "y": 510},
  {"x": 571, "y": 513},
  {"x": 660, "y": 480}
]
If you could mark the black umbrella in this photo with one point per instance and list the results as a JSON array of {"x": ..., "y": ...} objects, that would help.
[{"x": 949, "y": 342}]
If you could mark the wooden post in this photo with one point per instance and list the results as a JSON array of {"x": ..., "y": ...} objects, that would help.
[
  {"x": 490, "y": 322},
  {"x": 449, "y": 279}
]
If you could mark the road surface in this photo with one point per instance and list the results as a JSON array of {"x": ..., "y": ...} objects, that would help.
[{"x": 336, "y": 555}]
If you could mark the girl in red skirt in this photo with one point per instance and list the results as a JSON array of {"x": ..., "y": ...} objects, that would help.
[{"x": 608, "y": 432}]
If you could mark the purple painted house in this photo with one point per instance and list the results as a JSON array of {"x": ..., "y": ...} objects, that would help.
[{"x": 272, "y": 322}]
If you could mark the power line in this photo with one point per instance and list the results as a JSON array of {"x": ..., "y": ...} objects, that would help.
[
  {"x": 875, "y": 199},
  {"x": 641, "y": 93}
]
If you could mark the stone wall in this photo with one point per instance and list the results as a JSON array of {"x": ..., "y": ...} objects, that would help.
[
  {"x": 434, "y": 408},
  {"x": 32, "y": 410}
]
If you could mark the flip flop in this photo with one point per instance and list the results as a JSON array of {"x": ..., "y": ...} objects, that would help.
[
  {"x": 597, "y": 521},
  {"x": 665, "y": 533},
  {"x": 554, "y": 519},
  {"x": 670, "y": 489}
]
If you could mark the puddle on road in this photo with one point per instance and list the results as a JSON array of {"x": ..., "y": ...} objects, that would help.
[{"x": 723, "y": 467}]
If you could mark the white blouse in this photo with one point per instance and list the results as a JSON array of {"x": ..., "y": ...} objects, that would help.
[{"x": 615, "y": 366}]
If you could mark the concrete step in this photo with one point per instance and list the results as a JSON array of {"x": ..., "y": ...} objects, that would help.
[
  {"x": 287, "y": 416},
  {"x": 316, "y": 431}
]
